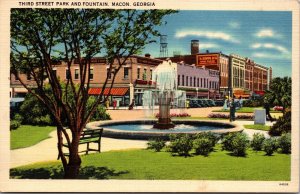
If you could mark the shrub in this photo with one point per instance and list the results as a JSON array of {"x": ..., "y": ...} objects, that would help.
[
  {"x": 257, "y": 141},
  {"x": 227, "y": 141},
  {"x": 100, "y": 114},
  {"x": 34, "y": 113},
  {"x": 269, "y": 146},
  {"x": 156, "y": 144},
  {"x": 180, "y": 144},
  {"x": 18, "y": 117},
  {"x": 236, "y": 143},
  {"x": 253, "y": 103},
  {"x": 14, "y": 124},
  {"x": 282, "y": 125},
  {"x": 284, "y": 143},
  {"x": 210, "y": 135},
  {"x": 239, "y": 144},
  {"x": 203, "y": 146}
]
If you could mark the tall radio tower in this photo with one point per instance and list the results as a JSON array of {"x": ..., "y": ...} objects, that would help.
[{"x": 163, "y": 46}]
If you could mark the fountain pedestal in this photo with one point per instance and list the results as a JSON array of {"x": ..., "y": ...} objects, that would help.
[{"x": 164, "y": 118}]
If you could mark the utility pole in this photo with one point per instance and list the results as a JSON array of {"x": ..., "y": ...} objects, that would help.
[{"x": 230, "y": 94}]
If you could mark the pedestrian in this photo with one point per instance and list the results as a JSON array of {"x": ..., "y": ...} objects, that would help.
[
  {"x": 240, "y": 102},
  {"x": 232, "y": 110},
  {"x": 114, "y": 103},
  {"x": 267, "y": 107},
  {"x": 107, "y": 103},
  {"x": 131, "y": 105}
]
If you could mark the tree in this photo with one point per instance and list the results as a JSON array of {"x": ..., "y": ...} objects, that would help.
[
  {"x": 41, "y": 37},
  {"x": 280, "y": 92}
]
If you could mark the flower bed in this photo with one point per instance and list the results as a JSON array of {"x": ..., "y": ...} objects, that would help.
[
  {"x": 226, "y": 116},
  {"x": 176, "y": 115}
]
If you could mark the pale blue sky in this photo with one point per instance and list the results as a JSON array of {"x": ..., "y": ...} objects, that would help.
[{"x": 263, "y": 36}]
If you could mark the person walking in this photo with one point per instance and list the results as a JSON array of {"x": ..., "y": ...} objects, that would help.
[
  {"x": 131, "y": 105},
  {"x": 114, "y": 103},
  {"x": 267, "y": 108},
  {"x": 107, "y": 103},
  {"x": 232, "y": 110}
]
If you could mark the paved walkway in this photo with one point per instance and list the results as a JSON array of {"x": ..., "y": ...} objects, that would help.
[{"x": 46, "y": 150}]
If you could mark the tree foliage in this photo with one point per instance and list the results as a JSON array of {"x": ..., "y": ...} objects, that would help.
[
  {"x": 43, "y": 37},
  {"x": 280, "y": 92}
]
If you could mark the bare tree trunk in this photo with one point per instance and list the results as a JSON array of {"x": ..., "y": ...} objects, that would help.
[
  {"x": 59, "y": 148},
  {"x": 73, "y": 166}
]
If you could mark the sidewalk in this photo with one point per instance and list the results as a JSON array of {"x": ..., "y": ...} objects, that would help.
[{"x": 47, "y": 150}]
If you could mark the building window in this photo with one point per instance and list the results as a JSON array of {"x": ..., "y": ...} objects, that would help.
[
  {"x": 187, "y": 80},
  {"x": 182, "y": 80},
  {"x": 194, "y": 82},
  {"x": 16, "y": 78},
  {"x": 201, "y": 82},
  {"x": 178, "y": 80},
  {"x": 198, "y": 82},
  {"x": 126, "y": 72},
  {"x": 151, "y": 74},
  {"x": 145, "y": 74},
  {"x": 91, "y": 74},
  {"x": 68, "y": 74},
  {"x": 76, "y": 73},
  {"x": 108, "y": 74},
  {"x": 191, "y": 81},
  {"x": 138, "y": 73}
]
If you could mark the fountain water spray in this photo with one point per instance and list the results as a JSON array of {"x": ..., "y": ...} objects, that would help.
[{"x": 165, "y": 94}]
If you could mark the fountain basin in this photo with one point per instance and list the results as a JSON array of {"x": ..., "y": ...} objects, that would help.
[{"x": 143, "y": 129}]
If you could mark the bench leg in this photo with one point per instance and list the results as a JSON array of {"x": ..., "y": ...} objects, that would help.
[
  {"x": 99, "y": 146},
  {"x": 87, "y": 148}
]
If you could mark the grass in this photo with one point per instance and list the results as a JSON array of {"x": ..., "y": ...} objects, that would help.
[
  {"x": 28, "y": 135},
  {"x": 246, "y": 110},
  {"x": 258, "y": 127},
  {"x": 150, "y": 165}
]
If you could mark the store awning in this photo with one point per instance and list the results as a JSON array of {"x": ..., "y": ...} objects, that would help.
[
  {"x": 243, "y": 96},
  {"x": 113, "y": 91}
]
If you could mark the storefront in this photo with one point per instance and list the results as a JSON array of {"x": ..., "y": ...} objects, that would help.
[{"x": 121, "y": 95}]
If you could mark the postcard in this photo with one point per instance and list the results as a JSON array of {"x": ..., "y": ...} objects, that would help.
[{"x": 149, "y": 96}]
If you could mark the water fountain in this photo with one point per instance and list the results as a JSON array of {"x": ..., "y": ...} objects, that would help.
[
  {"x": 164, "y": 96},
  {"x": 165, "y": 93}
]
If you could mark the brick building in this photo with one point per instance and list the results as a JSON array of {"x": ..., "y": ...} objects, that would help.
[
  {"x": 130, "y": 82},
  {"x": 257, "y": 77},
  {"x": 246, "y": 76},
  {"x": 198, "y": 81}
]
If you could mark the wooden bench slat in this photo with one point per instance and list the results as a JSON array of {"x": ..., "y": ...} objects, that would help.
[{"x": 89, "y": 136}]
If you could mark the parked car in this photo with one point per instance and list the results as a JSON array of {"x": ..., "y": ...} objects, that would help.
[
  {"x": 194, "y": 104},
  {"x": 278, "y": 108},
  {"x": 219, "y": 102},
  {"x": 202, "y": 103},
  {"x": 211, "y": 102},
  {"x": 205, "y": 101}
]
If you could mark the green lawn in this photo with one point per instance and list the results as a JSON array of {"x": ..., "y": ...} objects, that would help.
[
  {"x": 28, "y": 135},
  {"x": 150, "y": 165},
  {"x": 258, "y": 127},
  {"x": 246, "y": 110}
]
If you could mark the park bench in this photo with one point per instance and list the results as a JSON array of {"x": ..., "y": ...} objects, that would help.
[{"x": 89, "y": 136}]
